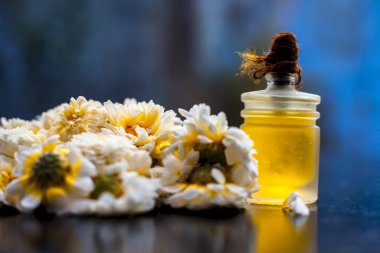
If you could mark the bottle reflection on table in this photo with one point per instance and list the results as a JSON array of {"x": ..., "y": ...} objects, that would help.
[{"x": 277, "y": 231}]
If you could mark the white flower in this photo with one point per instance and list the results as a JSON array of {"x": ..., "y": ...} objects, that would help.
[
  {"x": 138, "y": 196},
  {"x": 126, "y": 191},
  {"x": 222, "y": 173},
  {"x": 50, "y": 174},
  {"x": 108, "y": 152},
  {"x": 33, "y": 125},
  {"x": 148, "y": 125},
  {"x": 295, "y": 205},
  {"x": 203, "y": 127},
  {"x": 11, "y": 140},
  {"x": 77, "y": 117}
]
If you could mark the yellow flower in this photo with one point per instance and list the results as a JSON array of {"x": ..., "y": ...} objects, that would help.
[
  {"x": 49, "y": 174},
  {"x": 77, "y": 117}
]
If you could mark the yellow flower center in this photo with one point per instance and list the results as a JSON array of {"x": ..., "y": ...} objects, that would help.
[
  {"x": 130, "y": 130},
  {"x": 107, "y": 183},
  {"x": 48, "y": 171}
]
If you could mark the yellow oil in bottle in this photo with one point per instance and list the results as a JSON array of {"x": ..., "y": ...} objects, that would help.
[
  {"x": 287, "y": 147},
  {"x": 281, "y": 121}
]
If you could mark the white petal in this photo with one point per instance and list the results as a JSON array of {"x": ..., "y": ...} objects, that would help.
[
  {"x": 87, "y": 168},
  {"x": 295, "y": 204},
  {"x": 82, "y": 187},
  {"x": 173, "y": 188},
  {"x": 14, "y": 189},
  {"x": 29, "y": 202},
  {"x": 233, "y": 155},
  {"x": 300, "y": 207},
  {"x": 237, "y": 190},
  {"x": 240, "y": 176},
  {"x": 184, "y": 113},
  {"x": 142, "y": 135},
  {"x": 203, "y": 139},
  {"x": 218, "y": 176},
  {"x": 215, "y": 187}
]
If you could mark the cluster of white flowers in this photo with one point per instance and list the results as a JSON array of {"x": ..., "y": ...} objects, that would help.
[{"x": 89, "y": 158}]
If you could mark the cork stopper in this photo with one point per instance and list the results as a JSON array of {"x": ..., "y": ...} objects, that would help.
[{"x": 282, "y": 59}]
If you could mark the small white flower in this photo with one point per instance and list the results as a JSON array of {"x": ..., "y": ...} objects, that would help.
[
  {"x": 108, "y": 152},
  {"x": 77, "y": 117},
  {"x": 33, "y": 125},
  {"x": 148, "y": 125},
  {"x": 222, "y": 173},
  {"x": 11, "y": 140},
  {"x": 294, "y": 204},
  {"x": 137, "y": 195},
  {"x": 126, "y": 191},
  {"x": 201, "y": 126},
  {"x": 50, "y": 174}
]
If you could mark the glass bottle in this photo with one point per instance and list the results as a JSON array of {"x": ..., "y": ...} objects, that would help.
[{"x": 281, "y": 121}]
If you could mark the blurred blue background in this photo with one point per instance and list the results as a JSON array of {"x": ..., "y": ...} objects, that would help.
[{"x": 183, "y": 52}]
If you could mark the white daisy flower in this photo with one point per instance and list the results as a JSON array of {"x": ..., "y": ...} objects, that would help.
[
  {"x": 108, "y": 152},
  {"x": 50, "y": 175},
  {"x": 125, "y": 192},
  {"x": 201, "y": 126},
  {"x": 133, "y": 194},
  {"x": 222, "y": 170},
  {"x": 32, "y": 125},
  {"x": 148, "y": 125},
  {"x": 11, "y": 140},
  {"x": 77, "y": 117}
]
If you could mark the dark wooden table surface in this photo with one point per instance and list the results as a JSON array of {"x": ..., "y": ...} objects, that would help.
[{"x": 346, "y": 219}]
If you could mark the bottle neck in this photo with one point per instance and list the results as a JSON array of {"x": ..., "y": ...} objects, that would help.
[
  {"x": 280, "y": 101},
  {"x": 276, "y": 81}
]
